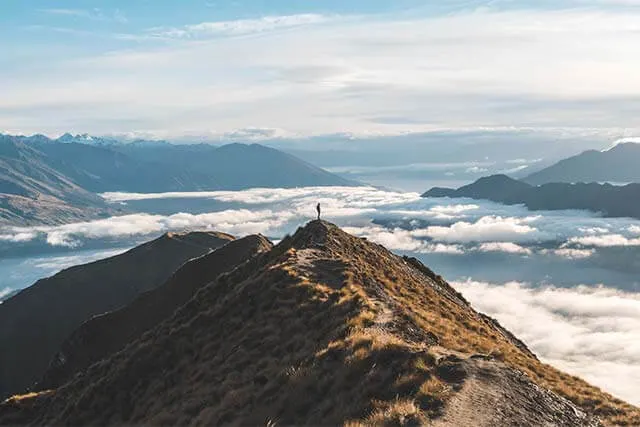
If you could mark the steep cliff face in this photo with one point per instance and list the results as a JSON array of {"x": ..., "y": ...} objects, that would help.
[{"x": 325, "y": 328}]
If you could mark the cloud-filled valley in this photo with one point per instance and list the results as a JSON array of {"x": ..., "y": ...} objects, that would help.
[{"x": 403, "y": 221}]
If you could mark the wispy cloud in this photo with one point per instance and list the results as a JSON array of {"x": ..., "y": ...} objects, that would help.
[
  {"x": 484, "y": 69},
  {"x": 238, "y": 27},
  {"x": 89, "y": 14}
]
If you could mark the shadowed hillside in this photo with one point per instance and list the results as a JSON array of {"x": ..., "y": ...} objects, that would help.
[
  {"x": 105, "y": 334},
  {"x": 35, "y": 322},
  {"x": 325, "y": 328}
]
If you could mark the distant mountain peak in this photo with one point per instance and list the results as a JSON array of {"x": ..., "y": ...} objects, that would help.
[{"x": 85, "y": 138}]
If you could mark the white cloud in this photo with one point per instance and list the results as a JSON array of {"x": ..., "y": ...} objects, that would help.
[
  {"x": 441, "y": 248},
  {"x": 506, "y": 247},
  {"x": 239, "y": 27},
  {"x": 51, "y": 265},
  {"x": 4, "y": 292},
  {"x": 476, "y": 169},
  {"x": 594, "y": 230},
  {"x": 395, "y": 239},
  {"x": 415, "y": 167},
  {"x": 604, "y": 240},
  {"x": 95, "y": 14},
  {"x": 18, "y": 237},
  {"x": 360, "y": 196},
  {"x": 570, "y": 253},
  {"x": 590, "y": 332},
  {"x": 486, "y": 229},
  {"x": 402, "y": 240},
  {"x": 235, "y": 221}
]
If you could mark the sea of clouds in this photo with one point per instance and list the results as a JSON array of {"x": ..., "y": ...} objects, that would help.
[
  {"x": 401, "y": 221},
  {"x": 591, "y": 331}
]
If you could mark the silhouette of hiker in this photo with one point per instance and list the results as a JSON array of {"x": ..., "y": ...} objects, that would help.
[{"x": 318, "y": 209}]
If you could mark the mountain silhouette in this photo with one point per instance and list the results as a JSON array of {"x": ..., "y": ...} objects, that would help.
[{"x": 609, "y": 200}]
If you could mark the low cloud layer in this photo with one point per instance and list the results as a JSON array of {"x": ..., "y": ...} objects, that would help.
[
  {"x": 401, "y": 221},
  {"x": 488, "y": 228},
  {"x": 507, "y": 247},
  {"x": 593, "y": 333},
  {"x": 605, "y": 240}
]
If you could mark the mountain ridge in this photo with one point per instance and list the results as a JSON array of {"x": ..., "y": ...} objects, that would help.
[{"x": 324, "y": 328}]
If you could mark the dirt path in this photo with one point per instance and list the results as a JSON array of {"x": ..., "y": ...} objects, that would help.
[{"x": 495, "y": 395}]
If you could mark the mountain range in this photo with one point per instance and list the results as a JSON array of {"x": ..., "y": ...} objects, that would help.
[
  {"x": 609, "y": 200},
  {"x": 55, "y": 181},
  {"x": 619, "y": 164},
  {"x": 323, "y": 328}
]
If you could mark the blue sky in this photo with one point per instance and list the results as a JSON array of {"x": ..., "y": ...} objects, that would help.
[{"x": 171, "y": 69}]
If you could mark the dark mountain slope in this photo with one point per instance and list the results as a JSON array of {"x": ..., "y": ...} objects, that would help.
[
  {"x": 323, "y": 329},
  {"x": 610, "y": 200},
  {"x": 35, "y": 322},
  {"x": 619, "y": 164},
  {"x": 105, "y": 334}
]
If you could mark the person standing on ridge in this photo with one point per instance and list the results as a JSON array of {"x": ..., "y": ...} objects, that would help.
[{"x": 318, "y": 209}]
